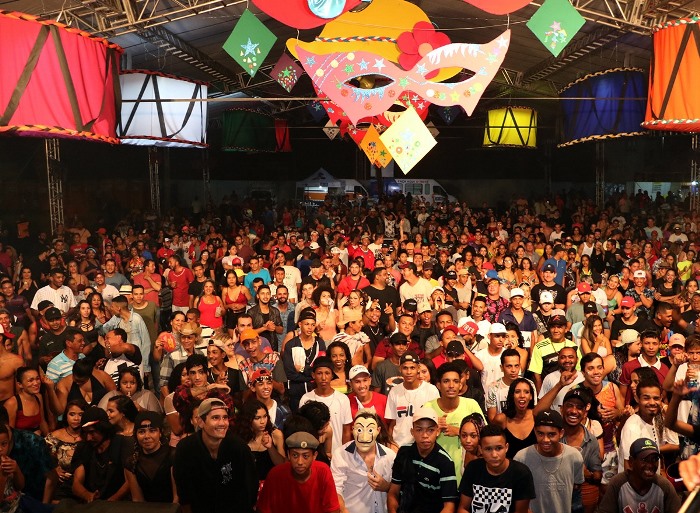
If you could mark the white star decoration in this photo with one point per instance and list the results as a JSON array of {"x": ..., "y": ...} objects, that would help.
[
  {"x": 249, "y": 47},
  {"x": 379, "y": 64}
]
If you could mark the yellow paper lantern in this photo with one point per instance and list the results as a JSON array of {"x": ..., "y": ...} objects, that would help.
[{"x": 514, "y": 127}]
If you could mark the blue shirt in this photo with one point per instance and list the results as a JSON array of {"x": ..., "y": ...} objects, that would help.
[
  {"x": 248, "y": 282},
  {"x": 560, "y": 266}
]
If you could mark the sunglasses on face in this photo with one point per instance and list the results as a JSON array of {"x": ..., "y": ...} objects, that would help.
[{"x": 264, "y": 379}]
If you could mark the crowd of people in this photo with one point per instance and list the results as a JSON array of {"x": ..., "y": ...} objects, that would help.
[{"x": 399, "y": 357}]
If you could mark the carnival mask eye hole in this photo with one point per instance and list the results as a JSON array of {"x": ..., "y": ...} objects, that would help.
[{"x": 368, "y": 82}]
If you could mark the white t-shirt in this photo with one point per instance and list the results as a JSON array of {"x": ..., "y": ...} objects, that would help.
[
  {"x": 62, "y": 298},
  {"x": 420, "y": 291},
  {"x": 492, "y": 367},
  {"x": 292, "y": 279},
  {"x": 550, "y": 380},
  {"x": 636, "y": 428},
  {"x": 402, "y": 403},
  {"x": 339, "y": 405}
]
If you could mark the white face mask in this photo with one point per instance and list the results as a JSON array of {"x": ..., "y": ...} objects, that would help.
[{"x": 365, "y": 431}]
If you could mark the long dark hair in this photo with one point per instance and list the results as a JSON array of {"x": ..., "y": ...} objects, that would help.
[
  {"x": 245, "y": 418},
  {"x": 510, "y": 399},
  {"x": 125, "y": 406}
]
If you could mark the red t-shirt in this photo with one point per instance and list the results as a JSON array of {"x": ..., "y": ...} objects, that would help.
[
  {"x": 384, "y": 349},
  {"x": 182, "y": 282},
  {"x": 378, "y": 402},
  {"x": 281, "y": 493},
  {"x": 348, "y": 284},
  {"x": 151, "y": 296}
]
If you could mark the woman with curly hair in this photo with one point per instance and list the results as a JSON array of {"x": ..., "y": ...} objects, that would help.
[
  {"x": 326, "y": 314},
  {"x": 517, "y": 419},
  {"x": 266, "y": 442}
]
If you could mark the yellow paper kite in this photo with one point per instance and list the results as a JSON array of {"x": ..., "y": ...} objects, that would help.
[{"x": 408, "y": 140}]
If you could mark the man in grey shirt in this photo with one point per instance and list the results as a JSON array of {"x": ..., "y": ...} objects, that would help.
[{"x": 557, "y": 469}]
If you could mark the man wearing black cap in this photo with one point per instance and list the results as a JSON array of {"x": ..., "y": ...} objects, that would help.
[
  {"x": 545, "y": 355},
  {"x": 557, "y": 469},
  {"x": 640, "y": 488},
  {"x": 302, "y": 484},
  {"x": 406, "y": 397},
  {"x": 574, "y": 410},
  {"x": 60, "y": 295},
  {"x": 214, "y": 470},
  {"x": 318, "y": 277},
  {"x": 98, "y": 471},
  {"x": 51, "y": 341},
  {"x": 338, "y": 403},
  {"x": 149, "y": 473}
]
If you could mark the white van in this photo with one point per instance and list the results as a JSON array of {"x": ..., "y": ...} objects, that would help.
[{"x": 427, "y": 190}]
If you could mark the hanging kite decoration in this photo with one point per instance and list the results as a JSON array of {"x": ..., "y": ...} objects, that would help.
[
  {"x": 555, "y": 24},
  {"x": 57, "y": 81},
  {"x": 408, "y": 140},
  {"x": 316, "y": 110},
  {"x": 673, "y": 103},
  {"x": 612, "y": 110},
  {"x": 374, "y": 148},
  {"x": 286, "y": 72},
  {"x": 249, "y": 42},
  {"x": 162, "y": 123},
  {"x": 449, "y": 114}
]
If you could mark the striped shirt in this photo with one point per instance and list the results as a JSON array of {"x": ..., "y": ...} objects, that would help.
[
  {"x": 433, "y": 477},
  {"x": 61, "y": 366}
]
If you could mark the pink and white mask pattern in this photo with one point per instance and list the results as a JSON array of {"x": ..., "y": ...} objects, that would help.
[{"x": 331, "y": 73}]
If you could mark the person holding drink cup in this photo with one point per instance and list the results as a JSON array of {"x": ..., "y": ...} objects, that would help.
[{"x": 210, "y": 306}]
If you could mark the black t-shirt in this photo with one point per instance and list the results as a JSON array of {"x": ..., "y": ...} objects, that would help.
[
  {"x": 558, "y": 293},
  {"x": 105, "y": 471},
  {"x": 497, "y": 493},
  {"x": 50, "y": 344},
  {"x": 376, "y": 334},
  {"x": 195, "y": 289},
  {"x": 230, "y": 481},
  {"x": 388, "y": 295},
  {"x": 618, "y": 326}
]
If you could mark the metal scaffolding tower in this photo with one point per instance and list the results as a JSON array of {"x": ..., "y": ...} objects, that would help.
[
  {"x": 694, "y": 169},
  {"x": 154, "y": 177},
  {"x": 599, "y": 173},
  {"x": 54, "y": 174}
]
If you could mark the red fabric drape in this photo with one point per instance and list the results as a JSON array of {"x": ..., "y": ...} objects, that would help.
[
  {"x": 78, "y": 99},
  {"x": 282, "y": 135}
]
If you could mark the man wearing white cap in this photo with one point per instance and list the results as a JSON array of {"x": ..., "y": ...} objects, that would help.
[
  {"x": 353, "y": 336},
  {"x": 490, "y": 356},
  {"x": 643, "y": 296},
  {"x": 516, "y": 314},
  {"x": 426, "y": 468},
  {"x": 362, "y": 397},
  {"x": 542, "y": 315}
]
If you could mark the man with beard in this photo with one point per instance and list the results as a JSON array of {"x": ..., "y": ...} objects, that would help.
[
  {"x": 302, "y": 484},
  {"x": 567, "y": 360},
  {"x": 98, "y": 471},
  {"x": 266, "y": 319},
  {"x": 385, "y": 294},
  {"x": 214, "y": 460},
  {"x": 362, "y": 468},
  {"x": 355, "y": 280},
  {"x": 640, "y": 488},
  {"x": 643, "y": 424},
  {"x": 60, "y": 296},
  {"x": 285, "y": 307}
]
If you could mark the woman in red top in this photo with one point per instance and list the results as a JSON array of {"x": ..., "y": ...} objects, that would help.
[
  {"x": 210, "y": 306},
  {"x": 25, "y": 409},
  {"x": 235, "y": 297}
]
